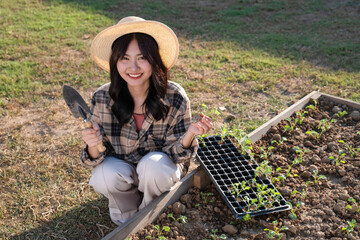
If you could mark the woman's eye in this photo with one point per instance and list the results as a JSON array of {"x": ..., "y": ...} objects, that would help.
[{"x": 142, "y": 58}]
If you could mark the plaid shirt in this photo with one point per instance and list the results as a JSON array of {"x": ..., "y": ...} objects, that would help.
[{"x": 126, "y": 143}]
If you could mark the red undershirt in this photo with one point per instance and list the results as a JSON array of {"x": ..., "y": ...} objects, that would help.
[{"x": 139, "y": 119}]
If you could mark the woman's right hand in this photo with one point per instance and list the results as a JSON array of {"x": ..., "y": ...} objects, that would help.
[{"x": 92, "y": 136}]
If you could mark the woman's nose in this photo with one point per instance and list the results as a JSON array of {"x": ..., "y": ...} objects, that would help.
[{"x": 134, "y": 65}]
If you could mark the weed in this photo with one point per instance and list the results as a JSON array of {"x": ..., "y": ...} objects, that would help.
[
  {"x": 350, "y": 227},
  {"x": 276, "y": 232}
]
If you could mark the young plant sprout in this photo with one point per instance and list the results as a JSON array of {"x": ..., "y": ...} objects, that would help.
[
  {"x": 350, "y": 227},
  {"x": 277, "y": 143},
  {"x": 181, "y": 218},
  {"x": 339, "y": 159},
  {"x": 264, "y": 170},
  {"x": 159, "y": 232},
  {"x": 276, "y": 231},
  {"x": 290, "y": 127},
  {"x": 325, "y": 125},
  {"x": 349, "y": 148},
  {"x": 353, "y": 205},
  {"x": 340, "y": 114},
  {"x": 237, "y": 188},
  {"x": 300, "y": 117},
  {"x": 317, "y": 177},
  {"x": 293, "y": 215},
  {"x": 214, "y": 235},
  {"x": 312, "y": 107},
  {"x": 205, "y": 196},
  {"x": 300, "y": 153},
  {"x": 314, "y": 134},
  {"x": 266, "y": 153}
]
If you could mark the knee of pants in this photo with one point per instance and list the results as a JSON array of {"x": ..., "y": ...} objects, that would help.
[
  {"x": 157, "y": 167},
  {"x": 113, "y": 175}
]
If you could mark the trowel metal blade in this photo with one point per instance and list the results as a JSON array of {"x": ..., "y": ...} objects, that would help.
[{"x": 75, "y": 102}]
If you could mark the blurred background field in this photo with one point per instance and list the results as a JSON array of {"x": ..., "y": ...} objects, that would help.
[{"x": 247, "y": 59}]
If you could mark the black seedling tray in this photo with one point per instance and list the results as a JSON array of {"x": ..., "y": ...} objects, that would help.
[{"x": 233, "y": 174}]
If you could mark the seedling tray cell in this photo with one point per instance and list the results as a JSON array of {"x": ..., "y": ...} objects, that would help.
[{"x": 234, "y": 176}]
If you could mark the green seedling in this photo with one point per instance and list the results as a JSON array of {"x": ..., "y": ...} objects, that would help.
[
  {"x": 181, "y": 218},
  {"x": 277, "y": 143},
  {"x": 353, "y": 205},
  {"x": 205, "y": 196},
  {"x": 339, "y": 159},
  {"x": 325, "y": 125},
  {"x": 289, "y": 127},
  {"x": 294, "y": 162},
  {"x": 251, "y": 203},
  {"x": 247, "y": 217},
  {"x": 266, "y": 153},
  {"x": 237, "y": 188},
  {"x": 350, "y": 227},
  {"x": 350, "y": 148},
  {"x": 293, "y": 215},
  {"x": 276, "y": 232},
  {"x": 300, "y": 153},
  {"x": 264, "y": 170},
  {"x": 160, "y": 231},
  {"x": 312, "y": 107},
  {"x": 314, "y": 134},
  {"x": 214, "y": 235},
  {"x": 279, "y": 178},
  {"x": 317, "y": 177},
  {"x": 210, "y": 113},
  {"x": 340, "y": 114},
  {"x": 300, "y": 116}
]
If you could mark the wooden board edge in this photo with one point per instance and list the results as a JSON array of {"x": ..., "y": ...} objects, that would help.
[{"x": 260, "y": 131}]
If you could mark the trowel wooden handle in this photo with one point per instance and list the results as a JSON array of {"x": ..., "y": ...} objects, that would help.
[{"x": 100, "y": 147}]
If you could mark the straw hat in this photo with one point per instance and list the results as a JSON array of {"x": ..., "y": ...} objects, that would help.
[{"x": 163, "y": 35}]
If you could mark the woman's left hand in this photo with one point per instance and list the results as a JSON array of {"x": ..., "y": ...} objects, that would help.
[{"x": 201, "y": 127}]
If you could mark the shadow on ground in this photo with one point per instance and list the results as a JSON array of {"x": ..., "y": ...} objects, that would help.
[{"x": 323, "y": 32}]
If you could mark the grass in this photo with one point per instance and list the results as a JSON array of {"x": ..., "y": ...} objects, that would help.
[{"x": 252, "y": 57}]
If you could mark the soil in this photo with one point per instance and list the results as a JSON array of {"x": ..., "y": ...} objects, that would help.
[{"x": 321, "y": 205}]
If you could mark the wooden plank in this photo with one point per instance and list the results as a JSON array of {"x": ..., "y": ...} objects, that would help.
[
  {"x": 262, "y": 130},
  {"x": 201, "y": 180},
  {"x": 155, "y": 208},
  {"x": 339, "y": 100}
]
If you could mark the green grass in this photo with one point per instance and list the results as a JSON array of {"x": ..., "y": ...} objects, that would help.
[{"x": 252, "y": 57}]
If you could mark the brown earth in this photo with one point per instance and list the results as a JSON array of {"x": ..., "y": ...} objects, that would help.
[{"x": 323, "y": 209}]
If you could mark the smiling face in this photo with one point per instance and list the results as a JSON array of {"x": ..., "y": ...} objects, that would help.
[{"x": 134, "y": 68}]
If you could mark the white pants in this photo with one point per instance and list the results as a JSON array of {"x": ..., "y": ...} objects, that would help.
[{"x": 121, "y": 182}]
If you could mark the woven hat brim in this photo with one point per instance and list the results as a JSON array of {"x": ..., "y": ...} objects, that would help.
[{"x": 163, "y": 35}]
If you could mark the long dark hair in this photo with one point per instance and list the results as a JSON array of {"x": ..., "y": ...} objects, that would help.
[{"x": 123, "y": 106}]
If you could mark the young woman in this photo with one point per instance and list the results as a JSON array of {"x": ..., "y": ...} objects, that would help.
[{"x": 143, "y": 119}]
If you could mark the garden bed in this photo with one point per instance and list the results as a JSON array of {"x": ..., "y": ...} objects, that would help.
[{"x": 313, "y": 151}]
